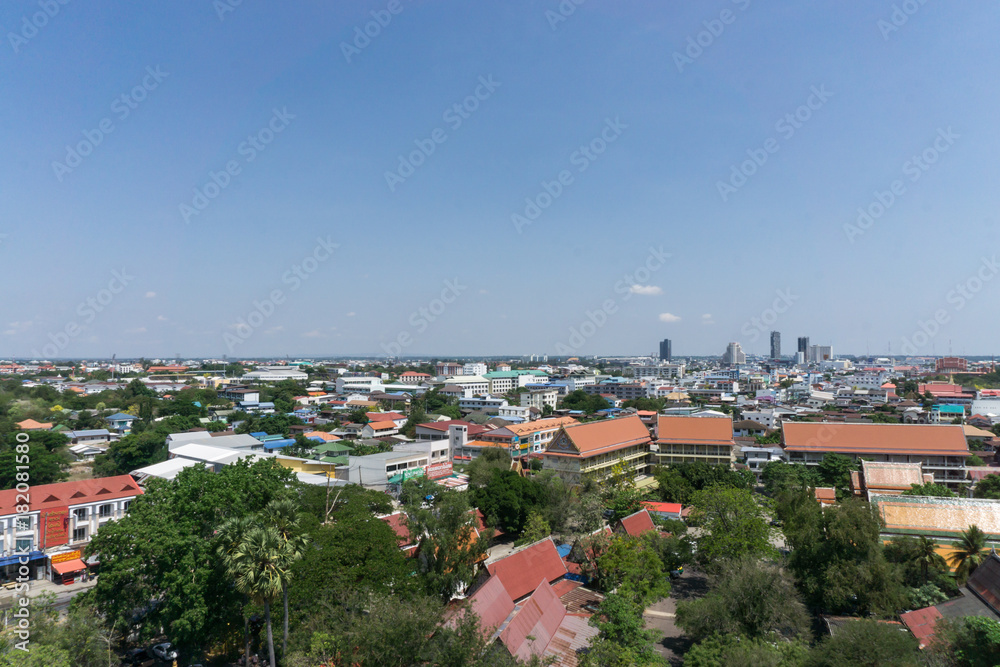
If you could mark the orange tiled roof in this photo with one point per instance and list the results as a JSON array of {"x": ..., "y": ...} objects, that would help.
[
  {"x": 599, "y": 437},
  {"x": 938, "y": 516},
  {"x": 540, "y": 425},
  {"x": 695, "y": 430},
  {"x": 879, "y": 476},
  {"x": 848, "y": 438},
  {"x": 32, "y": 425}
]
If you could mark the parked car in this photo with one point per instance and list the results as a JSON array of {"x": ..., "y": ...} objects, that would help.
[
  {"x": 165, "y": 652},
  {"x": 138, "y": 657}
]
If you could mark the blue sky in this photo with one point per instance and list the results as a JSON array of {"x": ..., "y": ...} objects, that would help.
[{"x": 434, "y": 263}]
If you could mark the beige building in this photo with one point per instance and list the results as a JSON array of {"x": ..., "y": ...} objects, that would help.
[
  {"x": 689, "y": 439},
  {"x": 594, "y": 448}
]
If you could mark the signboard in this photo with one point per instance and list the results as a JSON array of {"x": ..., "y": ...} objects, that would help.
[
  {"x": 62, "y": 558},
  {"x": 439, "y": 470},
  {"x": 411, "y": 473},
  {"x": 55, "y": 527}
]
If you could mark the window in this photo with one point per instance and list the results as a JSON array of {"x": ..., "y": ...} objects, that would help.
[
  {"x": 80, "y": 534},
  {"x": 24, "y": 544},
  {"x": 80, "y": 514},
  {"x": 126, "y": 505},
  {"x": 104, "y": 511},
  {"x": 22, "y": 523}
]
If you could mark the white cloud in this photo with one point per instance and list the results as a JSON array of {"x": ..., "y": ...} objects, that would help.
[
  {"x": 351, "y": 314},
  {"x": 136, "y": 330},
  {"x": 150, "y": 295},
  {"x": 646, "y": 290},
  {"x": 161, "y": 318},
  {"x": 312, "y": 334},
  {"x": 707, "y": 319},
  {"x": 669, "y": 317}
]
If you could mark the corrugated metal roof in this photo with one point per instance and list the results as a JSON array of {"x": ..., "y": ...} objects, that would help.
[
  {"x": 638, "y": 523},
  {"x": 534, "y": 626},
  {"x": 521, "y": 571}
]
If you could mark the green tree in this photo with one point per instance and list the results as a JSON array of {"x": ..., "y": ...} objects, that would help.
[
  {"x": 165, "y": 550},
  {"x": 866, "y": 643},
  {"x": 733, "y": 651},
  {"x": 536, "y": 528},
  {"x": 622, "y": 639},
  {"x": 283, "y": 515},
  {"x": 507, "y": 499},
  {"x": 930, "y": 489},
  {"x": 259, "y": 567},
  {"x": 835, "y": 470},
  {"x": 988, "y": 487},
  {"x": 631, "y": 564},
  {"x": 735, "y": 524},
  {"x": 972, "y": 641},
  {"x": 448, "y": 548},
  {"x": 970, "y": 552},
  {"x": 47, "y": 466},
  {"x": 748, "y": 598},
  {"x": 779, "y": 476}
]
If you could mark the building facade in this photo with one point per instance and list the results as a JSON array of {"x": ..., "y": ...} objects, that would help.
[
  {"x": 665, "y": 351},
  {"x": 775, "y": 345},
  {"x": 690, "y": 439},
  {"x": 593, "y": 449}
]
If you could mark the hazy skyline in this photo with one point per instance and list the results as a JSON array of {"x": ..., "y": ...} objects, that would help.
[{"x": 257, "y": 180}]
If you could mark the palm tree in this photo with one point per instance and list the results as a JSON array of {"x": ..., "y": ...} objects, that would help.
[
  {"x": 259, "y": 564},
  {"x": 231, "y": 534},
  {"x": 970, "y": 552},
  {"x": 283, "y": 514},
  {"x": 928, "y": 557}
]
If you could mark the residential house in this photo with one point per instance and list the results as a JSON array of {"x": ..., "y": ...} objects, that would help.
[{"x": 120, "y": 423}]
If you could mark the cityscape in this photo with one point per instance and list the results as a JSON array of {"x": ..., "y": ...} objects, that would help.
[{"x": 398, "y": 333}]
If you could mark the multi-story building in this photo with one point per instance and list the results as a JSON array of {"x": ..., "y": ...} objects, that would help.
[
  {"x": 539, "y": 398},
  {"x": 500, "y": 382},
  {"x": 514, "y": 413},
  {"x": 358, "y": 384},
  {"x": 530, "y": 438},
  {"x": 734, "y": 355},
  {"x": 804, "y": 347},
  {"x": 660, "y": 372},
  {"x": 445, "y": 368},
  {"x": 665, "y": 352},
  {"x": 689, "y": 439},
  {"x": 488, "y": 404},
  {"x": 939, "y": 449},
  {"x": 626, "y": 391},
  {"x": 819, "y": 353},
  {"x": 775, "y": 345},
  {"x": 471, "y": 385},
  {"x": 474, "y": 368},
  {"x": 60, "y": 521},
  {"x": 593, "y": 449}
]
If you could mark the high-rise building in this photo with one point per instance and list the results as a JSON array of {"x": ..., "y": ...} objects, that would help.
[
  {"x": 665, "y": 350},
  {"x": 775, "y": 345},
  {"x": 734, "y": 355},
  {"x": 818, "y": 353},
  {"x": 804, "y": 346}
]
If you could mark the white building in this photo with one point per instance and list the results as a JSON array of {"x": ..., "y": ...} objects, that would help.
[
  {"x": 358, "y": 384},
  {"x": 659, "y": 372},
  {"x": 275, "y": 374},
  {"x": 734, "y": 355},
  {"x": 474, "y": 368},
  {"x": 540, "y": 398}
]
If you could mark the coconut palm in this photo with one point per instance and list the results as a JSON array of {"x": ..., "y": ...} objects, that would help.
[
  {"x": 928, "y": 557},
  {"x": 259, "y": 563},
  {"x": 970, "y": 552},
  {"x": 231, "y": 534},
  {"x": 283, "y": 514}
]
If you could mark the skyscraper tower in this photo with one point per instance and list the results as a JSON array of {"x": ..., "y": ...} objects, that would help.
[
  {"x": 775, "y": 345},
  {"x": 804, "y": 346},
  {"x": 665, "y": 354}
]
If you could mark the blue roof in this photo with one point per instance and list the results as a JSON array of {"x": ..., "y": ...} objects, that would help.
[
  {"x": 278, "y": 444},
  {"x": 119, "y": 416},
  {"x": 950, "y": 408},
  {"x": 258, "y": 434},
  {"x": 563, "y": 550}
]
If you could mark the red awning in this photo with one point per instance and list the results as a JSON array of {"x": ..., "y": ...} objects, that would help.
[{"x": 74, "y": 565}]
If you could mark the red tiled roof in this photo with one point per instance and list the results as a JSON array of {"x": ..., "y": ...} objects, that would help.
[
  {"x": 492, "y": 605},
  {"x": 845, "y": 438},
  {"x": 384, "y": 416},
  {"x": 521, "y": 571},
  {"x": 397, "y": 522},
  {"x": 921, "y": 623},
  {"x": 534, "y": 626},
  {"x": 63, "y": 494},
  {"x": 638, "y": 523}
]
